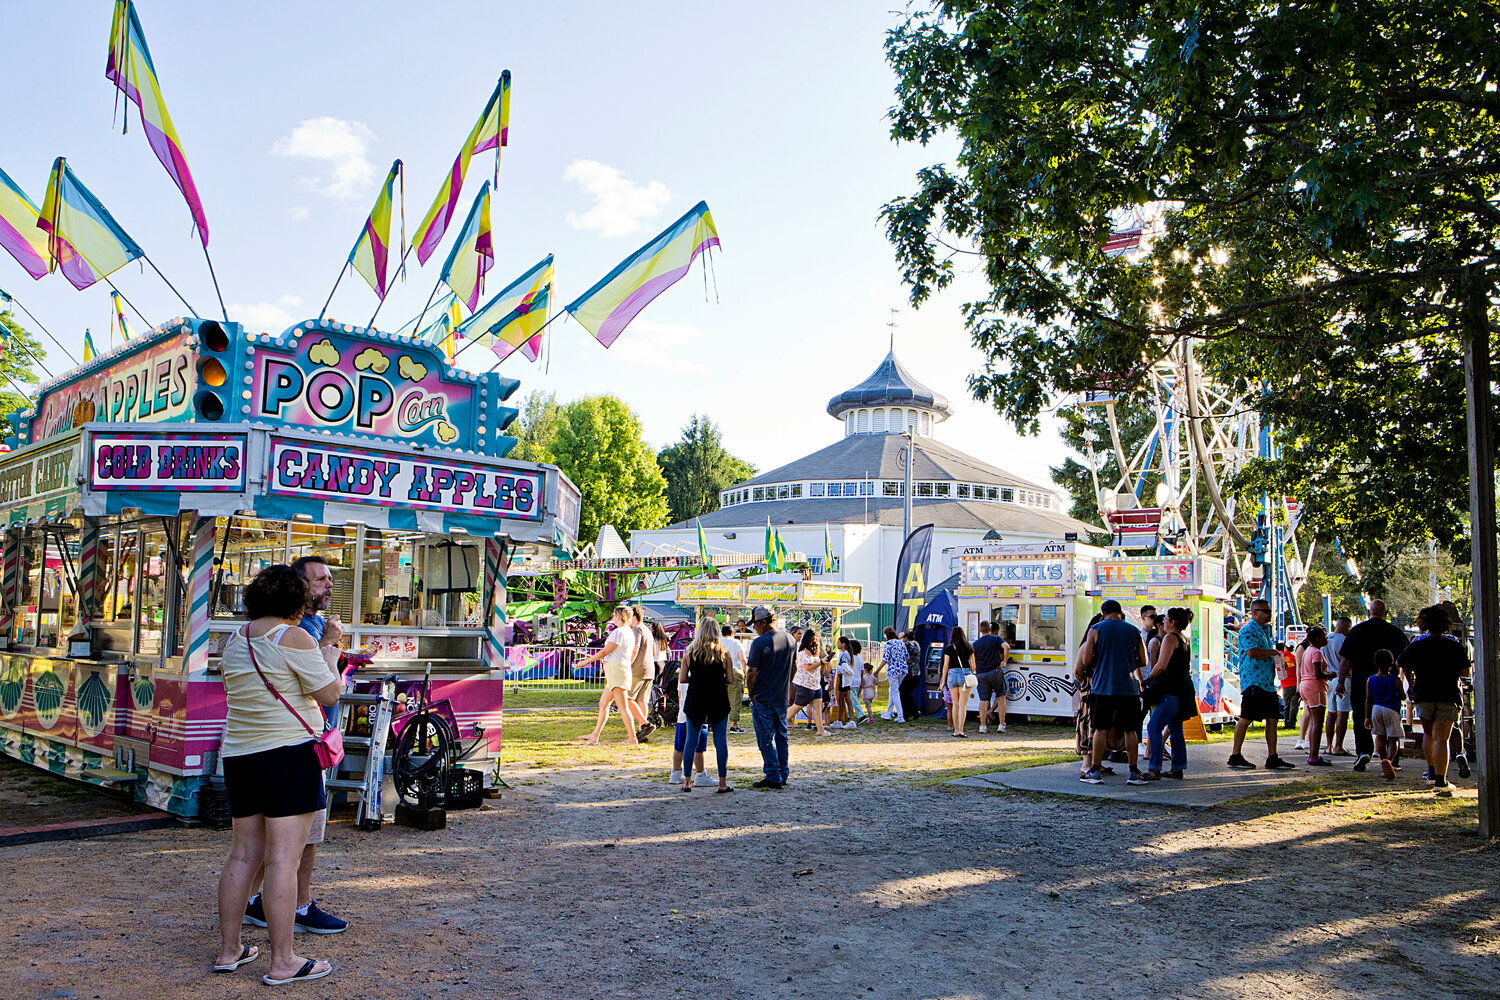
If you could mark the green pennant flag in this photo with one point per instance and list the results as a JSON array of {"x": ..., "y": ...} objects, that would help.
[{"x": 702, "y": 543}]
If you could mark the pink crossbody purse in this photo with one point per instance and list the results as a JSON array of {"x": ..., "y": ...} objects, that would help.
[{"x": 328, "y": 746}]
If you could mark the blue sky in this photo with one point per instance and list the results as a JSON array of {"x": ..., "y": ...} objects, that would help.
[{"x": 623, "y": 116}]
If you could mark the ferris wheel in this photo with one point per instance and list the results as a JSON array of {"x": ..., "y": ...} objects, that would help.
[{"x": 1169, "y": 495}]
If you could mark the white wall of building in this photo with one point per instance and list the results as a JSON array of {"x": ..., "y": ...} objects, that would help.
[{"x": 867, "y": 553}]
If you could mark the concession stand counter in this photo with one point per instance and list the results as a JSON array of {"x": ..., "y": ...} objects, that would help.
[{"x": 146, "y": 488}]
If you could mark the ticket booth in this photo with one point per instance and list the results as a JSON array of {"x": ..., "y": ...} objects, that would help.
[
  {"x": 1193, "y": 582},
  {"x": 1037, "y": 593}
]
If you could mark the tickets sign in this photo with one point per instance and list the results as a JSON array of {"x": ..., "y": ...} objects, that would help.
[
  {"x": 1006, "y": 571},
  {"x": 1148, "y": 572},
  {"x": 367, "y": 475},
  {"x": 190, "y": 463}
]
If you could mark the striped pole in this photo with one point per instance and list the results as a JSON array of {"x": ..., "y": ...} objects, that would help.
[
  {"x": 88, "y": 569},
  {"x": 494, "y": 604},
  {"x": 200, "y": 586},
  {"x": 8, "y": 597}
]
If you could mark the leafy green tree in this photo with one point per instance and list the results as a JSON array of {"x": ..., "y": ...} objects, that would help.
[
  {"x": 18, "y": 367},
  {"x": 697, "y": 468},
  {"x": 1326, "y": 182},
  {"x": 536, "y": 427},
  {"x": 599, "y": 446}
]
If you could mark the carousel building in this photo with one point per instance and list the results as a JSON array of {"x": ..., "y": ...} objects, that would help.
[{"x": 854, "y": 489}]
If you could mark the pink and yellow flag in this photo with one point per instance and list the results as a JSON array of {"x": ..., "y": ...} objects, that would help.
[
  {"x": 372, "y": 251},
  {"x": 118, "y": 320},
  {"x": 85, "y": 240},
  {"x": 513, "y": 319},
  {"x": 473, "y": 254},
  {"x": 491, "y": 132},
  {"x": 129, "y": 68},
  {"x": 19, "y": 232},
  {"x": 607, "y": 308}
]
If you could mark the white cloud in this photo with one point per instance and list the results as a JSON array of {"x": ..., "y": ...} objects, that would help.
[
  {"x": 340, "y": 144},
  {"x": 297, "y": 212},
  {"x": 266, "y": 317},
  {"x": 619, "y": 203},
  {"x": 662, "y": 347}
]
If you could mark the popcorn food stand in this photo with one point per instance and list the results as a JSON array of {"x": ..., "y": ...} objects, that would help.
[{"x": 146, "y": 488}]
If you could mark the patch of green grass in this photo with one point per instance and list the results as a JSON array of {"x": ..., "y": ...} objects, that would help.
[
  {"x": 1013, "y": 763},
  {"x": 522, "y": 697}
]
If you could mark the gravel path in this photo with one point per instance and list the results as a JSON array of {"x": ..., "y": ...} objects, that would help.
[{"x": 866, "y": 877}]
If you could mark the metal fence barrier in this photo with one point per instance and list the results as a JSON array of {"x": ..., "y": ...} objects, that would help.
[{"x": 555, "y": 668}]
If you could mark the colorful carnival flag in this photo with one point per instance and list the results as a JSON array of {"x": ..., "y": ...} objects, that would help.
[
  {"x": 84, "y": 239},
  {"x": 492, "y": 131},
  {"x": 437, "y": 321},
  {"x": 609, "y": 306},
  {"x": 89, "y": 354},
  {"x": 473, "y": 254},
  {"x": 702, "y": 543},
  {"x": 775, "y": 554},
  {"x": 19, "y": 233},
  {"x": 511, "y": 320},
  {"x": 119, "y": 317},
  {"x": 130, "y": 69},
  {"x": 372, "y": 251}
]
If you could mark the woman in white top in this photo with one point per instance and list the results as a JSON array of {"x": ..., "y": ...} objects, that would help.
[
  {"x": 270, "y": 767},
  {"x": 807, "y": 682},
  {"x": 618, "y": 651}
]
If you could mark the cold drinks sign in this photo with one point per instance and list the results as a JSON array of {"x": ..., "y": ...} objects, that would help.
[{"x": 404, "y": 480}]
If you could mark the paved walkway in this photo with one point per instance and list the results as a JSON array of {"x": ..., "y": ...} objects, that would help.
[{"x": 1209, "y": 780}]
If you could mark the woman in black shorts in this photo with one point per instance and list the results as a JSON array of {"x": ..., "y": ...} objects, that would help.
[{"x": 270, "y": 767}]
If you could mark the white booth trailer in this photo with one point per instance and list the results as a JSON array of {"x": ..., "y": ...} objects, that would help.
[{"x": 1037, "y": 592}]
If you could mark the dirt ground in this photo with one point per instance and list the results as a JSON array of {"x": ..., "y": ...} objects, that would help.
[
  {"x": 30, "y": 796},
  {"x": 866, "y": 877}
]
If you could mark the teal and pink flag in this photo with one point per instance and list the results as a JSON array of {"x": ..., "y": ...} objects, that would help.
[
  {"x": 372, "y": 251},
  {"x": 607, "y": 308},
  {"x": 130, "y": 69},
  {"x": 473, "y": 253},
  {"x": 18, "y": 228},
  {"x": 85, "y": 240},
  {"x": 492, "y": 131}
]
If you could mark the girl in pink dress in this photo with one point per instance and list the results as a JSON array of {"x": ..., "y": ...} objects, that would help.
[{"x": 1313, "y": 676}]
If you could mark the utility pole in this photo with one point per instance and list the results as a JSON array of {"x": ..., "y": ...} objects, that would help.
[
  {"x": 908, "y": 452},
  {"x": 1478, "y": 379}
]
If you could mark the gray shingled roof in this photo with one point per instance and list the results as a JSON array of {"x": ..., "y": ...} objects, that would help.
[
  {"x": 889, "y": 383},
  {"x": 960, "y": 514},
  {"x": 877, "y": 456}
]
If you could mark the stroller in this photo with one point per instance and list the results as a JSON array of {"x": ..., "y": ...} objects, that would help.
[{"x": 662, "y": 713}]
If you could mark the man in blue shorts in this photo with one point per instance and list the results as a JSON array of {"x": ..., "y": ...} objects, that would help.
[
  {"x": 1116, "y": 652},
  {"x": 1255, "y": 663}
]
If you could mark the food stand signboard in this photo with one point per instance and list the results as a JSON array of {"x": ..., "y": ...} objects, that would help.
[
  {"x": 182, "y": 461},
  {"x": 832, "y": 595},
  {"x": 710, "y": 591},
  {"x": 361, "y": 475},
  {"x": 771, "y": 593}
]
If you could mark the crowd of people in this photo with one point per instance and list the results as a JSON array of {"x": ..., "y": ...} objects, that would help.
[
  {"x": 1136, "y": 684},
  {"x": 282, "y": 669}
]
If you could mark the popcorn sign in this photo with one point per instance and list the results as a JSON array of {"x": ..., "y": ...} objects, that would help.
[{"x": 402, "y": 480}]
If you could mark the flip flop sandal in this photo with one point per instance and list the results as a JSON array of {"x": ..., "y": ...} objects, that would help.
[
  {"x": 248, "y": 954},
  {"x": 721, "y": 791},
  {"x": 303, "y": 974}
]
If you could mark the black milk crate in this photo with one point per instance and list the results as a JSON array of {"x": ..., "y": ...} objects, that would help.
[
  {"x": 213, "y": 805},
  {"x": 465, "y": 789}
]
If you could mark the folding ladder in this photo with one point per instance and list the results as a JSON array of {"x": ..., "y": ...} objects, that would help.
[{"x": 362, "y": 771}]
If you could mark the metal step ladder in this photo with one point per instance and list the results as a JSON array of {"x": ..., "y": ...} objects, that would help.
[{"x": 362, "y": 771}]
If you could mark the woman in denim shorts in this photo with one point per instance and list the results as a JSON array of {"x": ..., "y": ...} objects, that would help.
[{"x": 958, "y": 667}]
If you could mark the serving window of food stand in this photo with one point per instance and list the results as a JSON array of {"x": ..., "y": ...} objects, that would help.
[{"x": 48, "y": 574}]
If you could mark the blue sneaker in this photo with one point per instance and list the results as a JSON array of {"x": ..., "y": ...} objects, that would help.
[
  {"x": 255, "y": 914},
  {"x": 315, "y": 921}
]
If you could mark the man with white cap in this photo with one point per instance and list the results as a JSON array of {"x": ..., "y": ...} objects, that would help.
[{"x": 768, "y": 679}]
